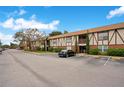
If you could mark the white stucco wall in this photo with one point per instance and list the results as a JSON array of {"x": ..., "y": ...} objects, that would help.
[
  {"x": 121, "y": 32},
  {"x": 110, "y": 35}
]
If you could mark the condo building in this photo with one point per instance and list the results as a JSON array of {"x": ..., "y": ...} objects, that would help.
[{"x": 110, "y": 36}]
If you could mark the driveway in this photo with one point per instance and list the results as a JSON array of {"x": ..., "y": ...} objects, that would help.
[{"x": 29, "y": 70}]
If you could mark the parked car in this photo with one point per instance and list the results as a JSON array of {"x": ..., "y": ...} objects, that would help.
[{"x": 66, "y": 53}]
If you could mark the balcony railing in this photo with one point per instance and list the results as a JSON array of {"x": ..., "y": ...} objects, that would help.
[{"x": 82, "y": 41}]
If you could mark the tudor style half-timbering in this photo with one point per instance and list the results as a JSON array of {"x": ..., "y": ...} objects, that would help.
[
  {"x": 63, "y": 42},
  {"x": 107, "y": 39},
  {"x": 111, "y": 36}
]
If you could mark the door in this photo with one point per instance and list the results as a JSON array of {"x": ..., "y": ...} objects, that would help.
[{"x": 82, "y": 49}]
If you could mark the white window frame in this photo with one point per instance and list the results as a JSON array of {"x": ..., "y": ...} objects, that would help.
[
  {"x": 103, "y": 48},
  {"x": 55, "y": 42},
  {"x": 102, "y": 36},
  {"x": 69, "y": 40}
]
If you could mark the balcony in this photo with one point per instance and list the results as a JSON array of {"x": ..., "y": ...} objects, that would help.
[{"x": 82, "y": 41}]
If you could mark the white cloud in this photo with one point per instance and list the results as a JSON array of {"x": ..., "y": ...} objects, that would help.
[
  {"x": 8, "y": 23},
  {"x": 16, "y": 13},
  {"x": 12, "y": 14},
  {"x": 22, "y": 12},
  {"x": 116, "y": 12},
  {"x": 17, "y": 24},
  {"x": 6, "y": 39},
  {"x": 33, "y": 16}
]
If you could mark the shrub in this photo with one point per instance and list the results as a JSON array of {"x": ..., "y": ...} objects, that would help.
[
  {"x": 94, "y": 51},
  {"x": 38, "y": 49},
  {"x": 42, "y": 49},
  {"x": 26, "y": 49},
  {"x": 115, "y": 52},
  {"x": 103, "y": 53},
  {"x": 57, "y": 49},
  {"x": 51, "y": 49}
]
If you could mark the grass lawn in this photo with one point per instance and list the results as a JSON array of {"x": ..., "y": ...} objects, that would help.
[{"x": 41, "y": 52}]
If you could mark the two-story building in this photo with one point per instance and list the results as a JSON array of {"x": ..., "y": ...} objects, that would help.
[{"x": 110, "y": 36}]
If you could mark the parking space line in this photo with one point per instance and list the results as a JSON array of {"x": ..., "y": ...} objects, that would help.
[{"x": 107, "y": 61}]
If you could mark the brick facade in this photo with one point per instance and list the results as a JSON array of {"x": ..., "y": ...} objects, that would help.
[
  {"x": 93, "y": 46},
  {"x": 117, "y": 46}
]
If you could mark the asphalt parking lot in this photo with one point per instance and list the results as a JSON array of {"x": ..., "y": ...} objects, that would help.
[
  {"x": 91, "y": 60},
  {"x": 48, "y": 70}
]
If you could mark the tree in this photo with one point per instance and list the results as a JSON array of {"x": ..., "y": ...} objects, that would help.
[
  {"x": 33, "y": 35},
  {"x": 65, "y": 31},
  {"x": 54, "y": 33},
  {"x": 13, "y": 46},
  {"x": 5, "y": 46},
  {"x": 28, "y": 36},
  {"x": 0, "y": 43},
  {"x": 19, "y": 36}
]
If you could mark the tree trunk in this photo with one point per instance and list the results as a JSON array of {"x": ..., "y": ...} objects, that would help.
[{"x": 29, "y": 45}]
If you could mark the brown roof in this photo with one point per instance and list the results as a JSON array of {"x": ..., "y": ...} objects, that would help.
[{"x": 98, "y": 29}]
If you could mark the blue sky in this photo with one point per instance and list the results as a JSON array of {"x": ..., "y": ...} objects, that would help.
[{"x": 72, "y": 18}]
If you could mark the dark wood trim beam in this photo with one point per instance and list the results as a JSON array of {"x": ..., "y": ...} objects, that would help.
[
  {"x": 120, "y": 36},
  {"x": 108, "y": 37},
  {"x": 95, "y": 39},
  {"x": 115, "y": 36},
  {"x": 111, "y": 37}
]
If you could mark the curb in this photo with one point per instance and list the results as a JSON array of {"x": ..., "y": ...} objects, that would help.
[
  {"x": 79, "y": 55},
  {"x": 39, "y": 53}
]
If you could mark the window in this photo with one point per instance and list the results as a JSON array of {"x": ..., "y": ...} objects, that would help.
[
  {"x": 68, "y": 39},
  {"x": 102, "y": 36},
  {"x": 103, "y": 48},
  {"x": 54, "y": 41}
]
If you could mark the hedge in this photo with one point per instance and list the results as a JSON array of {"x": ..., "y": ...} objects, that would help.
[
  {"x": 103, "y": 53},
  {"x": 38, "y": 49},
  {"x": 94, "y": 51},
  {"x": 115, "y": 52},
  {"x": 51, "y": 49}
]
